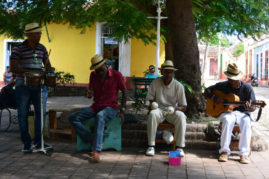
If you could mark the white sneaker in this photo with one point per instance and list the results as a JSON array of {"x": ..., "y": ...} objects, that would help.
[
  {"x": 150, "y": 151},
  {"x": 182, "y": 154}
]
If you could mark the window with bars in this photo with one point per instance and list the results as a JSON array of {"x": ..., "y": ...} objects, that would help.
[{"x": 110, "y": 48}]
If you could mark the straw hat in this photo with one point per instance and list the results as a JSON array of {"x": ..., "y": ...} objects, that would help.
[
  {"x": 168, "y": 65},
  {"x": 233, "y": 72},
  {"x": 97, "y": 61},
  {"x": 32, "y": 27}
]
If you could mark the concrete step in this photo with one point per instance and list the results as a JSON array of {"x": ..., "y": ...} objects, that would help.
[
  {"x": 143, "y": 126},
  {"x": 136, "y": 135},
  {"x": 142, "y": 134},
  {"x": 190, "y": 144}
]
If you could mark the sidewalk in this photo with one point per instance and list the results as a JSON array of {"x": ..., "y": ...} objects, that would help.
[{"x": 65, "y": 162}]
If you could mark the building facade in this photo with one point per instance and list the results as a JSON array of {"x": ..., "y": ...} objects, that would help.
[{"x": 71, "y": 51}]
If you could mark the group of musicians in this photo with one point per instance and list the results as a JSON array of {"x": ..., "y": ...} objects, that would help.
[{"x": 166, "y": 96}]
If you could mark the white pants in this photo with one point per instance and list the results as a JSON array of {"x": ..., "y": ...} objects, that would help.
[
  {"x": 228, "y": 121},
  {"x": 157, "y": 116}
]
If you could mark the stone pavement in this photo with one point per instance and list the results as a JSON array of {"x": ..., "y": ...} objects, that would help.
[{"x": 131, "y": 162}]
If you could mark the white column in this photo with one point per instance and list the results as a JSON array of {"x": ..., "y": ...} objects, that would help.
[
  {"x": 159, "y": 10},
  {"x": 263, "y": 62},
  {"x": 125, "y": 57},
  {"x": 98, "y": 40}
]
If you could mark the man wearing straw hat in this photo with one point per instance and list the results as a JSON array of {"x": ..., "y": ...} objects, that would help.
[
  {"x": 104, "y": 86},
  {"x": 240, "y": 115},
  {"x": 167, "y": 98},
  {"x": 29, "y": 57}
]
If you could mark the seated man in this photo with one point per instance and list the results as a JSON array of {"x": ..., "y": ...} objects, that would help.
[
  {"x": 240, "y": 115},
  {"x": 167, "y": 92},
  {"x": 104, "y": 86},
  {"x": 151, "y": 72}
]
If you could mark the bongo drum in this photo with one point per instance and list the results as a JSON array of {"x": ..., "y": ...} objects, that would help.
[
  {"x": 33, "y": 79},
  {"x": 50, "y": 79}
]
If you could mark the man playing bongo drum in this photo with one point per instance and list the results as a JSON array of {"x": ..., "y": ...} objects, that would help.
[{"x": 28, "y": 57}]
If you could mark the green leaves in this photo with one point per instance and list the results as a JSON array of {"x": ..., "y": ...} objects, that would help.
[
  {"x": 239, "y": 50},
  {"x": 64, "y": 78},
  {"x": 129, "y": 19},
  {"x": 123, "y": 17},
  {"x": 187, "y": 87},
  {"x": 233, "y": 17}
]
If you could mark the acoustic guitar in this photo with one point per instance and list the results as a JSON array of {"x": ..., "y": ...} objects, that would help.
[{"x": 231, "y": 101}]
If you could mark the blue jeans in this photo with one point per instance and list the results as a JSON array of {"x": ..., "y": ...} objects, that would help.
[
  {"x": 101, "y": 118},
  {"x": 26, "y": 95}
]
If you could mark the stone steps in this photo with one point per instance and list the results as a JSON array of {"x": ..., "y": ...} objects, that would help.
[
  {"x": 143, "y": 126},
  {"x": 136, "y": 135},
  {"x": 142, "y": 134}
]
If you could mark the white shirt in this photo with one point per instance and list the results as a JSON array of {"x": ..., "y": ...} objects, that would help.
[{"x": 167, "y": 95}]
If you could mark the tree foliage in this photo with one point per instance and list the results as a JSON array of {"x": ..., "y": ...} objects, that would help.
[
  {"x": 128, "y": 18},
  {"x": 233, "y": 17},
  {"x": 239, "y": 50},
  {"x": 215, "y": 40},
  {"x": 123, "y": 16}
]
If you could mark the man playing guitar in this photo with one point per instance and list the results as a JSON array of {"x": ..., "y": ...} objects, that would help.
[{"x": 239, "y": 115}]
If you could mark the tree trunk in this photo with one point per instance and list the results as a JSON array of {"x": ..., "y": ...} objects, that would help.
[
  {"x": 169, "y": 48},
  {"x": 185, "y": 51}
]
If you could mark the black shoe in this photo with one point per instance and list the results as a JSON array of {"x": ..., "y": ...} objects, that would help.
[
  {"x": 26, "y": 150},
  {"x": 46, "y": 147}
]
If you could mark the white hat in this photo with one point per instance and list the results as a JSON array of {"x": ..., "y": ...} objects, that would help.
[
  {"x": 97, "y": 61},
  {"x": 168, "y": 65},
  {"x": 32, "y": 27},
  {"x": 233, "y": 72}
]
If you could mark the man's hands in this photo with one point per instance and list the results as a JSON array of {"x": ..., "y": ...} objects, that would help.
[
  {"x": 217, "y": 99},
  {"x": 89, "y": 93},
  {"x": 248, "y": 106},
  {"x": 121, "y": 114},
  {"x": 180, "y": 108}
]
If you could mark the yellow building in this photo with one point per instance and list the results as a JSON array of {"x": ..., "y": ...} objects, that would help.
[{"x": 71, "y": 51}]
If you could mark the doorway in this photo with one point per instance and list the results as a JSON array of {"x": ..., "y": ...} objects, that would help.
[
  {"x": 110, "y": 48},
  {"x": 118, "y": 54},
  {"x": 8, "y": 45}
]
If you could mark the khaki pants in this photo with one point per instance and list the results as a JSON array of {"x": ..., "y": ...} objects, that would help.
[{"x": 157, "y": 116}]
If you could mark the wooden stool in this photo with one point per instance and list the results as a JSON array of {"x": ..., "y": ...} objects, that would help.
[
  {"x": 55, "y": 130},
  {"x": 167, "y": 126}
]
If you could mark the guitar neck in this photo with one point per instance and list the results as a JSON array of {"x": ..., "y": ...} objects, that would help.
[{"x": 241, "y": 103}]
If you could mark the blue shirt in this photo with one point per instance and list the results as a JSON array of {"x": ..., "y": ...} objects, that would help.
[{"x": 150, "y": 75}]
